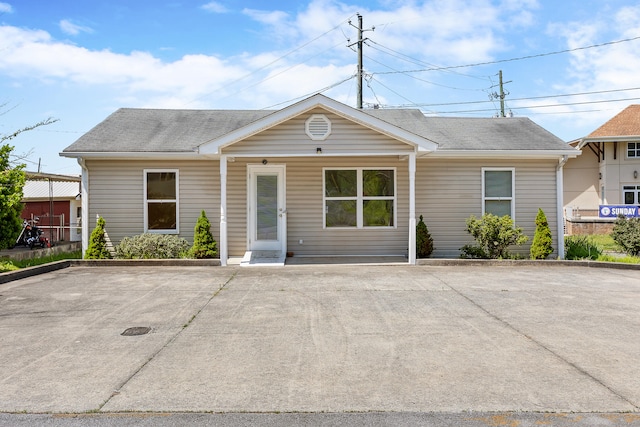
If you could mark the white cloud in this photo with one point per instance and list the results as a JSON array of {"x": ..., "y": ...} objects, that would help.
[
  {"x": 215, "y": 7},
  {"x": 5, "y": 8},
  {"x": 72, "y": 29},
  {"x": 456, "y": 31},
  {"x": 273, "y": 18}
]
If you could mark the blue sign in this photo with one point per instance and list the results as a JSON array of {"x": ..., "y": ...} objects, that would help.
[{"x": 613, "y": 211}]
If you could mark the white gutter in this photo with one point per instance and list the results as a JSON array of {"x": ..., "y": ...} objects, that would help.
[
  {"x": 510, "y": 154},
  {"x": 560, "y": 204},
  {"x": 626, "y": 138},
  {"x": 165, "y": 155}
]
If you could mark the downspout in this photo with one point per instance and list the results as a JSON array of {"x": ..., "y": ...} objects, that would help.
[
  {"x": 412, "y": 208},
  {"x": 84, "y": 203},
  {"x": 560, "y": 204},
  {"x": 223, "y": 211}
]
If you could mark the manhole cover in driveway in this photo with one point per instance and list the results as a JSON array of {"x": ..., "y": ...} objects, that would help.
[{"x": 137, "y": 330}]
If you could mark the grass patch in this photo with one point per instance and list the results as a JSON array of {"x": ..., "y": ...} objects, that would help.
[
  {"x": 604, "y": 242},
  {"x": 627, "y": 259},
  {"x": 16, "y": 265},
  {"x": 598, "y": 247}
]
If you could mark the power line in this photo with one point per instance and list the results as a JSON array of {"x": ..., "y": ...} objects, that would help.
[
  {"x": 413, "y": 60},
  {"x": 511, "y": 59},
  {"x": 271, "y": 63},
  {"x": 326, "y": 88},
  {"x": 540, "y": 106},
  {"x": 522, "y": 99}
]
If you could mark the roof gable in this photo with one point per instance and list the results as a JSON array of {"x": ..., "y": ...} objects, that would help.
[{"x": 327, "y": 104}]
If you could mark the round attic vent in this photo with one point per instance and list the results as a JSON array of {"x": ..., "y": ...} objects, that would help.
[{"x": 318, "y": 127}]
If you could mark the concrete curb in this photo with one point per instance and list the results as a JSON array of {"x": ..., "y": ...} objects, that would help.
[
  {"x": 10, "y": 276},
  {"x": 524, "y": 263},
  {"x": 433, "y": 262},
  {"x": 144, "y": 262}
]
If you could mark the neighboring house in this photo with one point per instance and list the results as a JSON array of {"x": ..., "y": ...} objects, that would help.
[
  {"x": 317, "y": 178},
  {"x": 607, "y": 174},
  {"x": 55, "y": 201}
]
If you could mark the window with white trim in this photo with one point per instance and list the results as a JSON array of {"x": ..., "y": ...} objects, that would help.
[
  {"x": 498, "y": 187},
  {"x": 633, "y": 150},
  {"x": 631, "y": 194},
  {"x": 359, "y": 197},
  {"x": 161, "y": 201}
]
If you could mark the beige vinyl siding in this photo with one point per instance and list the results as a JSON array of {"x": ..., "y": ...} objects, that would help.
[
  {"x": 449, "y": 191},
  {"x": 290, "y": 139},
  {"x": 305, "y": 209},
  {"x": 116, "y": 193},
  {"x": 581, "y": 185}
]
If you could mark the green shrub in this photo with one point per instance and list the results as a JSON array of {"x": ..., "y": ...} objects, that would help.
[
  {"x": 152, "y": 246},
  {"x": 424, "y": 241},
  {"x": 581, "y": 247},
  {"x": 493, "y": 236},
  {"x": 626, "y": 233},
  {"x": 204, "y": 245},
  {"x": 541, "y": 246},
  {"x": 7, "y": 266},
  {"x": 97, "y": 242}
]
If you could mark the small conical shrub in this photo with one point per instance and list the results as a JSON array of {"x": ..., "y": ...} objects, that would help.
[
  {"x": 97, "y": 242},
  {"x": 424, "y": 242},
  {"x": 541, "y": 246},
  {"x": 204, "y": 245}
]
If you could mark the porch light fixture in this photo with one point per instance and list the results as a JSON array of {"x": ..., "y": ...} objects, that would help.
[
  {"x": 319, "y": 151},
  {"x": 635, "y": 174}
]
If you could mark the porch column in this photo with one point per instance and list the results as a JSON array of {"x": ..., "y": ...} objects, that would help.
[
  {"x": 84, "y": 203},
  {"x": 223, "y": 211},
  {"x": 412, "y": 208},
  {"x": 560, "y": 205}
]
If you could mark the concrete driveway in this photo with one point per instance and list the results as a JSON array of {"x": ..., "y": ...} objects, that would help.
[{"x": 329, "y": 338}]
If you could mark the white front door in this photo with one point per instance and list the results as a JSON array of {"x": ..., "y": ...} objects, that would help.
[{"x": 267, "y": 216}]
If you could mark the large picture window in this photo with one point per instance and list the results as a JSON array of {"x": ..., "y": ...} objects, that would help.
[
  {"x": 633, "y": 150},
  {"x": 498, "y": 186},
  {"x": 161, "y": 201},
  {"x": 359, "y": 197}
]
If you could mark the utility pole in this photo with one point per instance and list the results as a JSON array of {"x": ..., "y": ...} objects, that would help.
[
  {"x": 360, "y": 71},
  {"x": 360, "y": 43},
  {"x": 502, "y": 95}
]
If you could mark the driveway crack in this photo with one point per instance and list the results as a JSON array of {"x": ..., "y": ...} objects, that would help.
[
  {"x": 540, "y": 344},
  {"x": 165, "y": 345}
]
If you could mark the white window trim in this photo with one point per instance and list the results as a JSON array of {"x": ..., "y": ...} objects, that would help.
[
  {"x": 636, "y": 191},
  {"x": 635, "y": 150},
  {"x": 360, "y": 199},
  {"x": 146, "y": 202},
  {"x": 513, "y": 190}
]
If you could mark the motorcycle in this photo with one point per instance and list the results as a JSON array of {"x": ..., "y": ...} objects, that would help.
[{"x": 32, "y": 236}]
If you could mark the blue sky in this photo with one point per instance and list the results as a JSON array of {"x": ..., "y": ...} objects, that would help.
[{"x": 79, "y": 61}]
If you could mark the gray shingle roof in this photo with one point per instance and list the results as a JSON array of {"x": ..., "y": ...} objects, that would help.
[
  {"x": 153, "y": 130},
  {"x": 150, "y": 130},
  {"x": 462, "y": 133}
]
